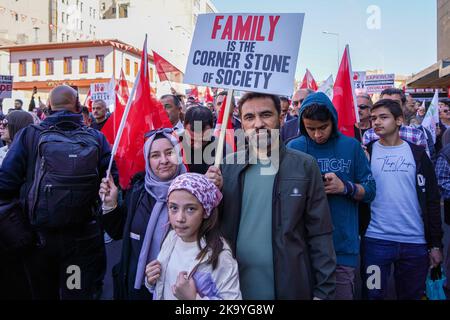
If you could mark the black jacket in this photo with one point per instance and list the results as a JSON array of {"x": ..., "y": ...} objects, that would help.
[
  {"x": 302, "y": 230},
  {"x": 427, "y": 193},
  {"x": 445, "y": 153},
  {"x": 117, "y": 224}
]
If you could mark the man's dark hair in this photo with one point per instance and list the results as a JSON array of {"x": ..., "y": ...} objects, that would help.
[
  {"x": 393, "y": 107},
  {"x": 198, "y": 113},
  {"x": 175, "y": 99},
  {"x": 19, "y": 101},
  {"x": 225, "y": 93},
  {"x": 85, "y": 110},
  {"x": 392, "y": 91},
  {"x": 318, "y": 112},
  {"x": 257, "y": 95},
  {"x": 284, "y": 99}
]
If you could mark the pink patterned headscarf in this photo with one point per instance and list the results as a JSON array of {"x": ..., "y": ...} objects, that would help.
[{"x": 198, "y": 185}]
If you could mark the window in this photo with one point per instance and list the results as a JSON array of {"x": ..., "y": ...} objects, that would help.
[
  {"x": 127, "y": 67},
  {"x": 63, "y": 37},
  {"x": 100, "y": 63},
  {"x": 81, "y": 25},
  {"x": 103, "y": 6},
  {"x": 36, "y": 70},
  {"x": 136, "y": 68},
  {"x": 93, "y": 14},
  {"x": 151, "y": 74},
  {"x": 49, "y": 66},
  {"x": 17, "y": 17},
  {"x": 84, "y": 64},
  {"x": 90, "y": 11},
  {"x": 22, "y": 68},
  {"x": 67, "y": 65},
  {"x": 81, "y": 6},
  {"x": 63, "y": 16}
]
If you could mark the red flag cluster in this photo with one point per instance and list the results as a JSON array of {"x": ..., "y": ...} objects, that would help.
[{"x": 146, "y": 114}]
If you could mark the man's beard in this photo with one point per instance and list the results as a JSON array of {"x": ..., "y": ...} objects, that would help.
[{"x": 263, "y": 141}]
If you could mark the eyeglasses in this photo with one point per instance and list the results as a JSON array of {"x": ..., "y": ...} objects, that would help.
[
  {"x": 161, "y": 130},
  {"x": 4, "y": 123},
  {"x": 363, "y": 106}
]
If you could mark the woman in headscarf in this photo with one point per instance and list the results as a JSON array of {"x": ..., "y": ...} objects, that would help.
[{"x": 141, "y": 220}]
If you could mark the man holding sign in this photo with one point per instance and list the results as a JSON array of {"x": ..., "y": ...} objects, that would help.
[{"x": 274, "y": 211}]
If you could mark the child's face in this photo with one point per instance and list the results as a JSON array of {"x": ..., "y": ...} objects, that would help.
[{"x": 185, "y": 214}]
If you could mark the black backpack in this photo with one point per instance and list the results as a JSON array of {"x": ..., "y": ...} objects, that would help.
[{"x": 66, "y": 177}]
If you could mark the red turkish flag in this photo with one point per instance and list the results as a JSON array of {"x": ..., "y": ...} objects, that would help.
[
  {"x": 343, "y": 99},
  {"x": 146, "y": 114},
  {"x": 309, "y": 82}
]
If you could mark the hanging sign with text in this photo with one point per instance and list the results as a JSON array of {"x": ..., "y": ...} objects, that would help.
[{"x": 248, "y": 52}]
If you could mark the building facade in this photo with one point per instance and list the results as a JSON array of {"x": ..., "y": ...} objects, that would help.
[
  {"x": 41, "y": 21},
  {"x": 437, "y": 76},
  {"x": 77, "y": 64},
  {"x": 169, "y": 25}
]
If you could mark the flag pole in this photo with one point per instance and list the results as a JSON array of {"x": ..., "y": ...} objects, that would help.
[
  {"x": 355, "y": 103},
  {"x": 223, "y": 129},
  {"x": 121, "y": 127}
]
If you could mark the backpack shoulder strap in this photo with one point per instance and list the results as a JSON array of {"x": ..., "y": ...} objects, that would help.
[{"x": 32, "y": 145}]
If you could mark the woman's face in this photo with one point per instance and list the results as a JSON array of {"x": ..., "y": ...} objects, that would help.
[{"x": 163, "y": 159}]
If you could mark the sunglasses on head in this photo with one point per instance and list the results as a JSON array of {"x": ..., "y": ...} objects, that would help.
[{"x": 161, "y": 130}]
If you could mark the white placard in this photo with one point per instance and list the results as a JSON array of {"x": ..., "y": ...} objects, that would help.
[
  {"x": 376, "y": 83},
  {"x": 6, "y": 86},
  {"x": 248, "y": 52}
]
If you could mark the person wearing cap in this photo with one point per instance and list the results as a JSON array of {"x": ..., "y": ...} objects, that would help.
[
  {"x": 141, "y": 220},
  {"x": 195, "y": 262}
]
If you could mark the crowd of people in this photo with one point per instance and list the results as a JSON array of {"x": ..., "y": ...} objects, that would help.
[{"x": 293, "y": 213}]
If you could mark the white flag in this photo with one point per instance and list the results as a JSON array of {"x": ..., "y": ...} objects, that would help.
[
  {"x": 327, "y": 87},
  {"x": 432, "y": 116}
]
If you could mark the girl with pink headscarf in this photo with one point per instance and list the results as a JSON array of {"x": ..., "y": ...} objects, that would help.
[{"x": 194, "y": 262}]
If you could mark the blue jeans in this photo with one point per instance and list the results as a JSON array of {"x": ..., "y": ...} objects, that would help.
[{"x": 411, "y": 264}]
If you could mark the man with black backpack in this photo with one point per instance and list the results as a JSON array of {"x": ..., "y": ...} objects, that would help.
[{"x": 55, "y": 169}]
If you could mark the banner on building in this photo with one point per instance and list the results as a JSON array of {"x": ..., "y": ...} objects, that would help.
[
  {"x": 376, "y": 83},
  {"x": 6, "y": 86},
  {"x": 248, "y": 52}
]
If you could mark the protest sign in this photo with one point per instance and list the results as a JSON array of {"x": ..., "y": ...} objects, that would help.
[
  {"x": 105, "y": 92},
  {"x": 376, "y": 83},
  {"x": 248, "y": 52},
  {"x": 6, "y": 86}
]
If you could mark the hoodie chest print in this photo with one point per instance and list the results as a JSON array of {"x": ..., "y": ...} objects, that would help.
[
  {"x": 334, "y": 165},
  {"x": 395, "y": 164}
]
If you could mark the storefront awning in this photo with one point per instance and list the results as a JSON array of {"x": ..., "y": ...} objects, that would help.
[{"x": 435, "y": 76}]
